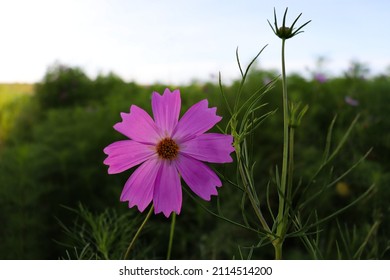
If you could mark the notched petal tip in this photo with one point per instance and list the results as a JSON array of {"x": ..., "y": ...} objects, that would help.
[
  {"x": 166, "y": 110},
  {"x": 138, "y": 190},
  {"x": 167, "y": 214},
  {"x": 124, "y": 115},
  {"x": 168, "y": 91},
  {"x": 131, "y": 204},
  {"x": 106, "y": 150},
  {"x": 142, "y": 208},
  {"x": 156, "y": 94}
]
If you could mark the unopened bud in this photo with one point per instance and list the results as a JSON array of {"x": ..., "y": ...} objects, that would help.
[{"x": 285, "y": 32}]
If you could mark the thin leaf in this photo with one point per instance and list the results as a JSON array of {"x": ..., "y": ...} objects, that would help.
[
  {"x": 239, "y": 63},
  {"x": 268, "y": 202},
  {"x": 329, "y": 139},
  {"x": 223, "y": 94},
  {"x": 372, "y": 231},
  {"x": 344, "y": 139}
]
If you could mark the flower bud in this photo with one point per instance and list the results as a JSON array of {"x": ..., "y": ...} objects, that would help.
[{"x": 285, "y": 32}]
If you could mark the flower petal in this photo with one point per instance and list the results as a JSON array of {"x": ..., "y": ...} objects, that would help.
[
  {"x": 139, "y": 187},
  {"x": 198, "y": 176},
  {"x": 139, "y": 126},
  {"x": 125, "y": 154},
  {"x": 166, "y": 110},
  {"x": 167, "y": 192},
  {"x": 197, "y": 120},
  {"x": 210, "y": 147}
]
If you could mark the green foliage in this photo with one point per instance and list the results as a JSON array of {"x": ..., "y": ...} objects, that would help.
[
  {"x": 99, "y": 236},
  {"x": 52, "y": 156},
  {"x": 63, "y": 86}
]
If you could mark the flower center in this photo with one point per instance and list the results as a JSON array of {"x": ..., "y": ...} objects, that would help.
[{"x": 167, "y": 149}]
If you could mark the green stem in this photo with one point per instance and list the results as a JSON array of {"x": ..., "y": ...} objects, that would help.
[
  {"x": 290, "y": 163},
  {"x": 138, "y": 232},
  {"x": 289, "y": 177},
  {"x": 283, "y": 185},
  {"x": 173, "y": 222},
  {"x": 278, "y": 250}
]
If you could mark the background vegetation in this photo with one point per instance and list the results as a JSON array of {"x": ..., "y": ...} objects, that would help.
[{"x": 57, "y": 200}]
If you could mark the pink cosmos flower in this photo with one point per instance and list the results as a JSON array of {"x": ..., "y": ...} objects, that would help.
[{"x": 168, "y": 148}]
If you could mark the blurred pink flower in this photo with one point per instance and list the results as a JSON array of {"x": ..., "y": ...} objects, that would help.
[
  {"x": 168, "y": 148},
  {"x": 350, "y": 101},
  {"x": 321, "y": 78}
]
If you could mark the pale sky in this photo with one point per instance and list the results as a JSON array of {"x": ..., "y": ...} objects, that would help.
[{"x": 176, "y": 41}]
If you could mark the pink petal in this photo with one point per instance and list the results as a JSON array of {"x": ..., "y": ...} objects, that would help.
[
  {"x": 197, "y": 120},
  {"x": 167, "y": 192},
  {"x": 125, "y": 154},
  {"x": 166, "y": 110},
  {"x": 139, "y": 187},
  {"x": 198, "y": 176},
  {"x": 139, "y": 126},
  {"x": 210, "y": 147}
]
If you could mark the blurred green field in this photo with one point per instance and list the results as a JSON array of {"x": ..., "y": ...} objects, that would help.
[
  {"x": 57, "y": 200},
  {"x": 12, "y": 97},
  {"x": 16, "y": 88},
  {"x": 10, "y": 92}
]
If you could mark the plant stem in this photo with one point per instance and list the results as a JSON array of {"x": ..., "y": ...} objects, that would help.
[
  {"x": 138, "y": 232},
  {"x": 173, "y": 222},
  {"x": 290, "y": 176},
  {"x": 278, "y": 250},
  {"x": 290, "y": 166},
  {"x": 283, "y": 186}
]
